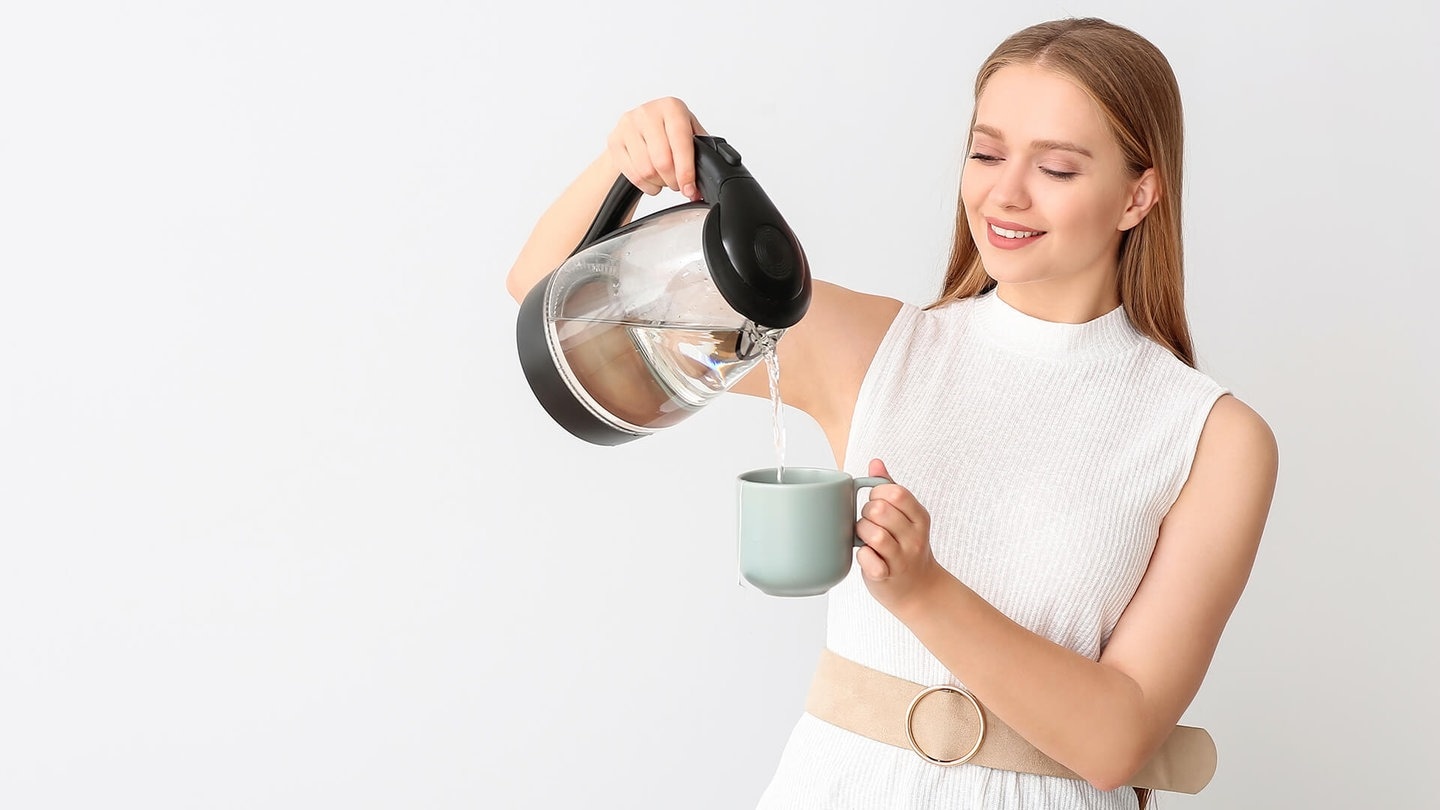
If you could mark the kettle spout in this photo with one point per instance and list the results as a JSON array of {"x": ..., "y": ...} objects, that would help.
[{"x": 756, "y": 340}]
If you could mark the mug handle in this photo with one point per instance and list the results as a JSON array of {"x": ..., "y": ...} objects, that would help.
[{"x": 862, "y": 483}]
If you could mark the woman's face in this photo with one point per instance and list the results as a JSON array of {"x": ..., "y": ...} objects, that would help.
[{"x": 1046, "y": 191}]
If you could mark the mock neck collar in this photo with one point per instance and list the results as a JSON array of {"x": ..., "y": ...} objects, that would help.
[{"x": 1013, "y": 329}]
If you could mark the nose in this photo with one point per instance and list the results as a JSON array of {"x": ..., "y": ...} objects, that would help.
[{"x": 1009, "y": 190}]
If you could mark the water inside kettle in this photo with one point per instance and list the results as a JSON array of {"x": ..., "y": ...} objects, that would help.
[
  {"x": 655, "y": 374},
  {"x": 641, "y": 334}
]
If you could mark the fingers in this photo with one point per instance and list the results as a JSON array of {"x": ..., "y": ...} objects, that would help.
[
  {"x": 877, "y": 538},
  {"x": 654, "y": 146},
  {"x": 895, "y": 506},
  {"x": 872, "y": 565},
  {"x": 662, "y": 152},
  {"x": 899, "y": 496},
  {"x": 682, "y": 147},
  {"x": 627, "y": 150},
  {"x": 889, "y": 535}
]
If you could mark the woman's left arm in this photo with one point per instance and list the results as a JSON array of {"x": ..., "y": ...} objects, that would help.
[{"x": 1104, "y": 719}]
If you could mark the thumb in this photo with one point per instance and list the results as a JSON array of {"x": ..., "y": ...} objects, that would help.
[{"x": 877, "y": 468}]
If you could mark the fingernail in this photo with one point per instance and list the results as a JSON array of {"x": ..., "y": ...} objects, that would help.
[{"x": 690, "y": 190}]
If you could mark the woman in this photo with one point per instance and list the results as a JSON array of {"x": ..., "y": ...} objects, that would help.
[{"x": 1076, "y": 508}]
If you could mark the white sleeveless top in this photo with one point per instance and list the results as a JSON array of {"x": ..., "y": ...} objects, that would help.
[{"x": 1047, "y": 455}]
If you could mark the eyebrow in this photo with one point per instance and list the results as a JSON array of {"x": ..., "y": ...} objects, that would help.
[{"x": 1039, "y": 146}]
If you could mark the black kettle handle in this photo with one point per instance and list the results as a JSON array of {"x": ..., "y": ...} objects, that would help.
[{"x": 715, "y": 162}]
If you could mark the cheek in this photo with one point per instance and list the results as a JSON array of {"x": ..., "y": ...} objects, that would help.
[
  {"x": 972, "y": 194},
  {"x": 1098, "y": 220},
  {"x": 1081, "y": 215}
]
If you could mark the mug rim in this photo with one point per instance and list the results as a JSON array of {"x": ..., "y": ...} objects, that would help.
[{"x": 832, "y": 477}]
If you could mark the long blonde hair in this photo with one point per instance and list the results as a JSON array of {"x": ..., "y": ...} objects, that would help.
[{"x": 1131, "y": 82}]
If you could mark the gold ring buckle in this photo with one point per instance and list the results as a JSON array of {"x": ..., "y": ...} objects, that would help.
[{"x": 910, "y": 724}]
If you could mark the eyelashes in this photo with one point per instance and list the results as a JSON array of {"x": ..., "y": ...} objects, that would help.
[{"x": 991, "y": 160}]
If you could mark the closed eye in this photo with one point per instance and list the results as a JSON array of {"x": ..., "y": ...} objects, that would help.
[{"x": 990, "y": 160}]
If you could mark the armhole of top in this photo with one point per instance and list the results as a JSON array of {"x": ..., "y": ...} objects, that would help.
[
  {"x": 1192, "y": 443},
  {"x": 902, "y": 323}
]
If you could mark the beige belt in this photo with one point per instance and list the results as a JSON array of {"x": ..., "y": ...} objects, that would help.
[{"x": 946, "y": 725}]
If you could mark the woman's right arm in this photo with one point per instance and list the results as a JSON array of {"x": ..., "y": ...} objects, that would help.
[{"x": 652, "y": 145}]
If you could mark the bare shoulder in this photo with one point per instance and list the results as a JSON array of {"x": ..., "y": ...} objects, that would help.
[
  {"x": 1236, "y": 435},
  {"x": 1232, "y": 479}
]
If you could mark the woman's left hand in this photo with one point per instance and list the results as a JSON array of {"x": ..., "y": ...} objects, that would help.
[{"x": 896, "y": 560}]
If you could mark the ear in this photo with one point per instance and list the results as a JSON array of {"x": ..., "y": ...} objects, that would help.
[{"x": 1144, "y": 193}]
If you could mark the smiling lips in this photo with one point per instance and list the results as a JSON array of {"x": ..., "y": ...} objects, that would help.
[{"x": 1010, "y": 235}]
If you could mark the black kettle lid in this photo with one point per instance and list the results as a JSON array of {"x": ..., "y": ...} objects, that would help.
[{"x": 754, "y": 257}]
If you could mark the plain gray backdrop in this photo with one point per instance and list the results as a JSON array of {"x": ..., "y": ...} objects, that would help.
[{"x": 281, "y": 525}]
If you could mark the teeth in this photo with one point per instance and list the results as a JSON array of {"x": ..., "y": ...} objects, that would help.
[{"x": 1014, "y": 234}]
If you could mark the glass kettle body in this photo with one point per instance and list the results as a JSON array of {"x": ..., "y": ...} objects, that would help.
[{"x": 644, "y": 324}]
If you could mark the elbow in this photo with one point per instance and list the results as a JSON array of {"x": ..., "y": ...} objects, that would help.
[
  {"x": 523, "y": 277},
  {"x": 1109, "y": 779},
  {"x": 1116, "y": 769},
  {"x": 516, "y": 284},
  {"x": 1105, "y": 784}
]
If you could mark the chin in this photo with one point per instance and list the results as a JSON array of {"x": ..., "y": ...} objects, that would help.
[{"x": 1011, "y": 272}]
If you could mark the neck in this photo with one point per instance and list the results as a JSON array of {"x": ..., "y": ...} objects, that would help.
[{"x": 1062, "y": 300}]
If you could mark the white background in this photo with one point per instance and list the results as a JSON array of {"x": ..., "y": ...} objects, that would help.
[{"x": 281, "y": 525}]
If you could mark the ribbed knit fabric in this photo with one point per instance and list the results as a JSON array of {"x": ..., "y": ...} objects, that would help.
[{"x": 1047, "y": 455}]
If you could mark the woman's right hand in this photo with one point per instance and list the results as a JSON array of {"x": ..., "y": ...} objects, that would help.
[{"x": 653, "y": 145}]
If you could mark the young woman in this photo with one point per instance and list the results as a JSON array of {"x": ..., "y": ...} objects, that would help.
[{"x": 1076, "y": 508}]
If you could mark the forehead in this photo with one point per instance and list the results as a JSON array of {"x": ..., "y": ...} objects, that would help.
[{"x": 1029, "y": 103}]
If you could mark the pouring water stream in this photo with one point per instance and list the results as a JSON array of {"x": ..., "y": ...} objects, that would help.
[{"x": 777, "y": 411}]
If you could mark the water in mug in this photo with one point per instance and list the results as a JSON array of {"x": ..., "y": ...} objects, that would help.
[{"x": 677, "y": 369}]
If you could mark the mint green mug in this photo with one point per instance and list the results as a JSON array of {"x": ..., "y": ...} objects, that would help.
[{"x": 797, "y": 534}]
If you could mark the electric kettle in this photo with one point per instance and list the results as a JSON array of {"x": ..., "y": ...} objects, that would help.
[{"x": 645, "y": 324}]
